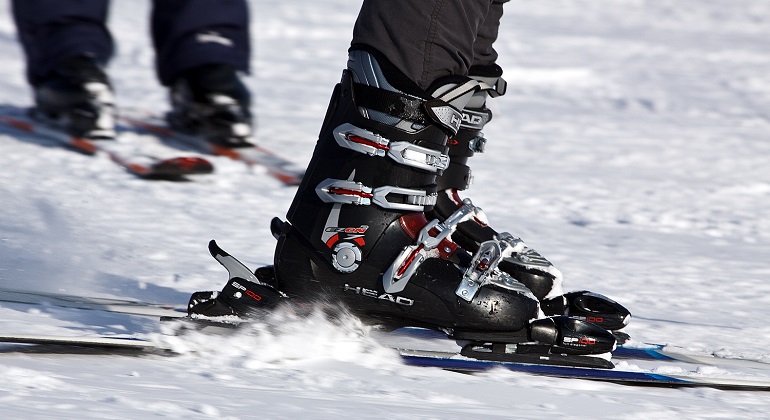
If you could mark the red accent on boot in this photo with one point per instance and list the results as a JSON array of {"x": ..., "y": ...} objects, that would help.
[{"x": 412, "y": 223}]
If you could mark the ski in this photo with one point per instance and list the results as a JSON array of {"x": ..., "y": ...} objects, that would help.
[
  {"x": 637, "y": 351},
  {"x": 454, "y": 362},
  {"x": 106, "y": 342},
  {"x": 124, "y": 306},
  {"x": 667, "y": 353},
  {"x": 136, "y": 162},
  {"x": 253, "y": 155},
  {"x": 436, "y": 340},
  {"x": 726, "y": 381},
  {"x": 430, "y": 348}
]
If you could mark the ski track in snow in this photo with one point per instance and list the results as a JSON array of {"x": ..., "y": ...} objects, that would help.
[{"x": 631, "y": 150}]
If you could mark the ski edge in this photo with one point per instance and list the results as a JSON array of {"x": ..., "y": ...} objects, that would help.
[
  {"x": 123, "y": 343},
  {"x": 125, "y": 306},
  {"x": 447, "y": 361}
]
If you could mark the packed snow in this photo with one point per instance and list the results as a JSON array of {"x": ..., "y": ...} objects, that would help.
[{"x": 632, "y": 150}]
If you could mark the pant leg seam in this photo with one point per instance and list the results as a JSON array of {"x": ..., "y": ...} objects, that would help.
[{"x": 430, "y": 41}]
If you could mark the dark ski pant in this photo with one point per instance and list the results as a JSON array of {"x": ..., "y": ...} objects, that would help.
[
  {"x": 430, "y": 39},
  {"x": 185, "y": 33}
]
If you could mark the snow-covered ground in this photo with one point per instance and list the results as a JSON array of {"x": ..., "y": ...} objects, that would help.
[{"x": 632, "y": 150}]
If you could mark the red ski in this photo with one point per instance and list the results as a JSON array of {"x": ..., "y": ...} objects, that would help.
[
  {"x": 253, "y": 155},
  {"x": 141, "y": 164}
]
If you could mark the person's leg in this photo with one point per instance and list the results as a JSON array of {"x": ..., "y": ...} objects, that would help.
[
  {"x": 426, "y": 39},
  {"x": 484, "y": 53},
  {"x": 358, "y": 230},
  {"x": 67, "y": 45},
  {"x": 526, "y": 265},
  {"x": 53, "y": 30},
  {"x": 201, "y": 46},
  {"x": 191, "y": 33}
]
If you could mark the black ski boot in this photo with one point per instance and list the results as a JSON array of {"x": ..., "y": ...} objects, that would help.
[
  {"x": 77, "y": 98},
  {"x": 211, "y": 101},
  {"x": 357, "y": 231},
  {"x": 524, "y": 264}
]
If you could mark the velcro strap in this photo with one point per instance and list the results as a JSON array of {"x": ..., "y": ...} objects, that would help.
[
  {"x": 340, "y": 191},
  {"x": 434, "y": 111},
  {"x": 443, "y": 114},
  {"x": 391, "y": 103}
]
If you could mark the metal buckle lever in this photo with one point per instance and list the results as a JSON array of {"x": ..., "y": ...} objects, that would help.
[{"x": 396, "y": 277}]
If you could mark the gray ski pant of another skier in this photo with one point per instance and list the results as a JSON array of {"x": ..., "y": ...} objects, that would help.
[{"x": 430, "y": 39}]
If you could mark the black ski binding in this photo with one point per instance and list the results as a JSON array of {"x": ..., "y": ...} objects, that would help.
[
  {"x": 519, "y": 353},
  {"x": 245, "y": 295}
]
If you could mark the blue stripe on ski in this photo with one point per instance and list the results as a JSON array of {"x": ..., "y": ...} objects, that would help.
[
  {"x": 651, "y": 353},
  {"x": 546, "y": 370},
  {"x": 739, "y": 383}
]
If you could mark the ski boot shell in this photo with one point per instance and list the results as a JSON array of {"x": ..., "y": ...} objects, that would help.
[
  {"x": 367, "y": 180},
  {"x": 77, "y": 98},
  {"x": 357, "y": 232},
  {"x": 211, "y": 101}
]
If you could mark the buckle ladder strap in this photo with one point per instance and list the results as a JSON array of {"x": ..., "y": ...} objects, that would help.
[
  {"x": 395, "y": 279},
  {"x": 483, "y": 268},
  {"x": 414, "y": 200},
  {"x": 364, "y": 141},
  {"x": 439, "y": 110},
  {"x": 339, "y": 191},
  {"x": 484, "y": 262}
]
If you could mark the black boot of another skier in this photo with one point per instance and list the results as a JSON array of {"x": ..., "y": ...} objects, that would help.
[
  {"x": 357, "y": 231},
  {"x": 211, "y": 101},
  {"x": 524, "y": 264},
  {"x": 77, "y": 99}
]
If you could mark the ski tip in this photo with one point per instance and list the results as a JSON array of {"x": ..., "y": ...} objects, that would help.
[
  {"x": 185, "y": 165},
  {"x": 216, "y": 251}
]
